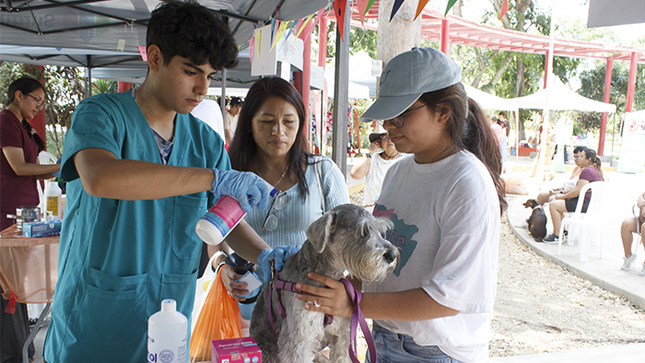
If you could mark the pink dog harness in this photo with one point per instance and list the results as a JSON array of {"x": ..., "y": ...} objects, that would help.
[{"x": 357, "y": 314}]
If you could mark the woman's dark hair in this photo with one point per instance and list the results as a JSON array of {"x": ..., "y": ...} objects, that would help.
[
  {"x": 190, "y": 30},
  {"x": 506, "y": 125},
  {"x": 243, "y": 147},
  {"x": 469, "y": 129},
  {"x": 26, "y": 85},
  {"x": 595, "y": 161}
]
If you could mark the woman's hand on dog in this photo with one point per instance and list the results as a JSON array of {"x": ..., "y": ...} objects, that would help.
[
  {"x": 332, "y": 299},
  {"x": 235, "y": 289}
]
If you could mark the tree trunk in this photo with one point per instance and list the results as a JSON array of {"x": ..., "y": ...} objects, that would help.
[{"x": 399, "y": 35}]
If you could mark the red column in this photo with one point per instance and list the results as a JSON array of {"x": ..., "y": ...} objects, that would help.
[
  {"x": 39, "y": 121},
  {"x": 445, "y": 29},
  {"x": 631, "y": 86},
  {"x": 322, "y": 41},
  {"x": 124, "y": 86},
  {"x": 603, "y": 121},
  {"x": 322, "y": 57},
  {"x": 306, "y": 69}
]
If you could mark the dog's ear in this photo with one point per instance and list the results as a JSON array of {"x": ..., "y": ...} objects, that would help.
[{"x": 318, "y": 232}]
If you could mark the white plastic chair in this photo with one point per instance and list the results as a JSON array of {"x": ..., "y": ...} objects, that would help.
[
  {"x": 46, "y": 158},
  {"x": 588, "y": 223}
]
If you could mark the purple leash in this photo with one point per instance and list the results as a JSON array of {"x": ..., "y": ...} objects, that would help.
[
  {"x": 277, "y": 285},
  {"x": 358, "y": 318}
]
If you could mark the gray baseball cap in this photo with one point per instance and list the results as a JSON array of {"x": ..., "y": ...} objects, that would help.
[{"x": 409, "y": 75}]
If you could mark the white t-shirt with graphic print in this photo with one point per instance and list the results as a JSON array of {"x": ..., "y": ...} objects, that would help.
[{"x": 446, "y": 225}]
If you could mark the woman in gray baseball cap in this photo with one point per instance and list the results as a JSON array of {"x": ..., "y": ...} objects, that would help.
[{"x": 445, "y": 201}]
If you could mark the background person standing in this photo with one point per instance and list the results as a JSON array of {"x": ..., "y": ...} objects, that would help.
[
  {"x": 375, "y": 165},
  {"x": 230, "y": 119},
  {"x": 19, "y": 172}
]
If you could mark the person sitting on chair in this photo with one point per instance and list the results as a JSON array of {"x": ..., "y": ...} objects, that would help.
[
  {"x": 565, "y": 202},
  {"x": 631, "y": 225},
  {"x": 549, "y": 195}
]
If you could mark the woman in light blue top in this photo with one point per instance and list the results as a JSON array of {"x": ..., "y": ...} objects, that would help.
[{"x": 270, "y": 141}]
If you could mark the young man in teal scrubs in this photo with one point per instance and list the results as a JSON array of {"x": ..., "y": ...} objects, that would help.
[{"x": 141, "y": 171}]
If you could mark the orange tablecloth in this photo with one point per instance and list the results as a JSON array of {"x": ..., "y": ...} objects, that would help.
[{"x": 28, "y": 266}]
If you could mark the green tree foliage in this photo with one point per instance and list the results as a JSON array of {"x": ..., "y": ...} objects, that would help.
[
  {"x": 104, "y": 86},
  {"x": 359, "y": 39},
  {"x": 593, "y": 86},
  {"x": 63, "y": 91}
]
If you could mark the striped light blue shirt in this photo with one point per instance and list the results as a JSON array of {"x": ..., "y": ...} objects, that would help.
[{"x": 299, "y": 213}]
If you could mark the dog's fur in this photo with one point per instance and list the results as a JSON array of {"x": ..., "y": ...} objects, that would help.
[
  {"x": 346, "y": 238},
  {"x": 537, "y": 220}
]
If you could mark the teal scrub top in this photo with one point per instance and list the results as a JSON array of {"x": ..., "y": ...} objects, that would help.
[{"x": 119, "y": 259}]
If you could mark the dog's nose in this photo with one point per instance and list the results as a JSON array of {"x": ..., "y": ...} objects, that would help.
[{"x": 389, "y": 256}]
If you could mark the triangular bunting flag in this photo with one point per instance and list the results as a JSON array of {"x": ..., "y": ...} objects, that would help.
[
  {"x": 251, "y": 48},
  {"x": 281, "y": 29},
  {"x": 318, "y": 16},
  {"x": 369, "y": 5},
  {"x": 339, "y": 11},
  {"x": 451, "y": 3},
  {"x": 362, "y": 9},
  {"x": 304, "y": 24},
  {"x": 396, "y": 7},
  {"x": 504, "y": 9},
  {"x": 422, "y": 4}
]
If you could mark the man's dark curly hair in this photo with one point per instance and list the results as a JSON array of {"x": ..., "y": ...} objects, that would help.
[{"x": 192, "y": 31}]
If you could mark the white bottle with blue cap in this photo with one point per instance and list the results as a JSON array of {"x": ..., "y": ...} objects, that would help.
[{"x": 168, "y": 335}]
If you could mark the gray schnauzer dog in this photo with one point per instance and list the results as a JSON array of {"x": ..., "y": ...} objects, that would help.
[{"x": 346, "y": 238}]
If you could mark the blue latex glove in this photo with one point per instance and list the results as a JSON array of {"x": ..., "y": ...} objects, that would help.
[
  {"x": 280, "y": 254},
  {"x": 57, "y": 173},
  {"x": 249, "y": 189}
]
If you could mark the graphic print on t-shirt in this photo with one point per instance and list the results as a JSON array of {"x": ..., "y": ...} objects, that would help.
[{"x": 400, "y": 235}]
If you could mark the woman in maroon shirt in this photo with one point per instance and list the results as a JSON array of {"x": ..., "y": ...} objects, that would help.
[
  {"x": 567, "y": 201},
  {"x": 19, "y": 168}
]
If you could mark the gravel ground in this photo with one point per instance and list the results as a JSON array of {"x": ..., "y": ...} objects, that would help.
[{"x": 542, "y": 307}]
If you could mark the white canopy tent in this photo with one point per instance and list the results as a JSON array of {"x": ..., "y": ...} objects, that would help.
[
  {"x": 562, "y": 98},
  {"x": 490, "y": 102}
]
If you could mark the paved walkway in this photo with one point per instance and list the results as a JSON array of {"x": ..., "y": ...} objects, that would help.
[{"x": 604, "y": 272}]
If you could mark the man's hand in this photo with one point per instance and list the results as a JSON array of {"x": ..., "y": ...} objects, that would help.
[{"x": 249, "y": 189}]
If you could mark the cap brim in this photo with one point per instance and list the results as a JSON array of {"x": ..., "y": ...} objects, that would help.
[{"x": 388, "y": 107}]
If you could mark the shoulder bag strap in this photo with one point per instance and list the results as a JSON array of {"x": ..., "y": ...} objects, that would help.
[{"x": 318, "y": 168}]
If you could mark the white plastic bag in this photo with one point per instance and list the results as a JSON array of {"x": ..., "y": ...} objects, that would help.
[{"x": 201, "y": 290}]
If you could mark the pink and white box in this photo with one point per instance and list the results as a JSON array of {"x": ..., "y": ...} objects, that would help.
[{"x": 240, "y": 350}]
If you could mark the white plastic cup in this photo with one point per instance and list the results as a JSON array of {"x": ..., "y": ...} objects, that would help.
[{"x": 167, "y": 335}]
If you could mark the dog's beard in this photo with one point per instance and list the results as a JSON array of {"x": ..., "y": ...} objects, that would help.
[{"x": 371, "y": 266}]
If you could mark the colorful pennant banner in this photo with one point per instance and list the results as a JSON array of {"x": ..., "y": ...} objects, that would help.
[
  {"x": 339, "y": 11},
  {"x": 396, "y": 7},
  {"x": 504, "y": 9},
  {"x": 422, "y": 4}
]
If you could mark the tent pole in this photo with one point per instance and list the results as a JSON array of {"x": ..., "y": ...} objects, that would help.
[
  {"x": 222, "y": 101},
  {"x": 88, "y": 79},
  {"x": 613, "y": 135},
  {"x": 341, "y": 91}
]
